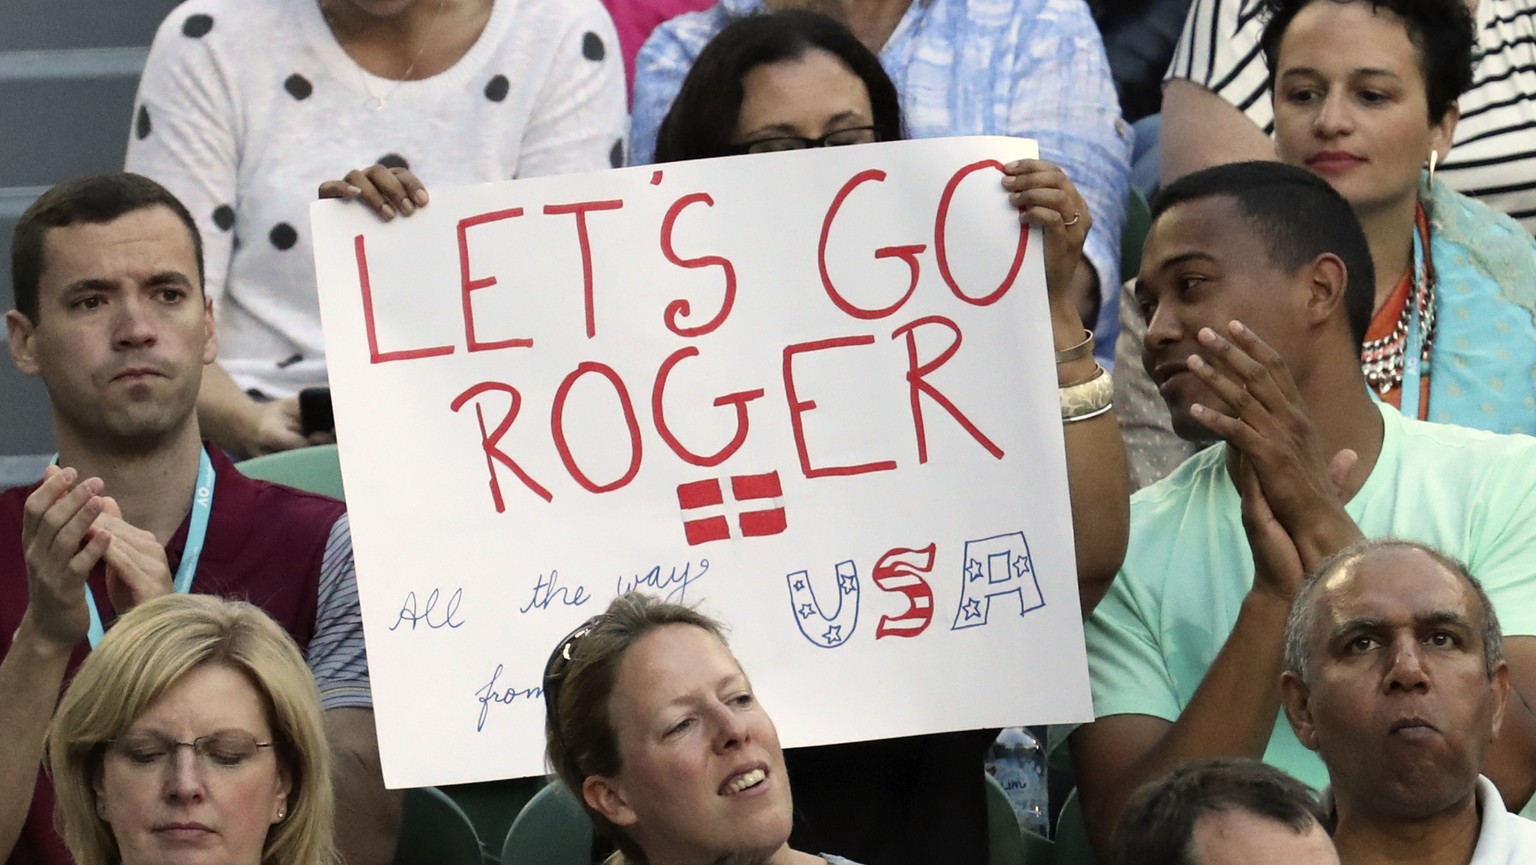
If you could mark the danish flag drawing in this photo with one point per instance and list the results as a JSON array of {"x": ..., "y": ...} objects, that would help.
[{"x": 755, "y": 501}]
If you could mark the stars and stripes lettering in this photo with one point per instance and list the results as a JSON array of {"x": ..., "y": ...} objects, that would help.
[
  {"x": 996, "y": 567},
  {"x": 827, "y": 630},
  {"x": 901, "y": 570}
]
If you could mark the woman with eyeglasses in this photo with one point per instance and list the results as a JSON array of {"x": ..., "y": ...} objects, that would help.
[
  {"x": 653, "y": 726},
  {"x": 193, "y": 734},
  {"x": 795, "y": 79},
  {"x": 780, "y": 81}
]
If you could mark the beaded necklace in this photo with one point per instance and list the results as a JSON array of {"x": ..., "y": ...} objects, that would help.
[{"x": 1383, "y": 359}]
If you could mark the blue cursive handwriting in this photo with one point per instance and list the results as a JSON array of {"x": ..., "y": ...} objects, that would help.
[
  {"x": 548, "y": 590},
  {"x": 673, "y": 584},
  {"x": 450, "y": 618},
  {"x": 488, "y": 695}
]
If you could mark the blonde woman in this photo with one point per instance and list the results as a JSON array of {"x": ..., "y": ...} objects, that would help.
[{"x": 191, "y": 735}]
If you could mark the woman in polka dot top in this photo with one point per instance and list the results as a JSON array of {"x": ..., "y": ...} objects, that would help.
[{"x": 246, "y": 106}]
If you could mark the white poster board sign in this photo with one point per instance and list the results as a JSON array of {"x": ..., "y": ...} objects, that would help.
[{"x": 812, "y": 392}]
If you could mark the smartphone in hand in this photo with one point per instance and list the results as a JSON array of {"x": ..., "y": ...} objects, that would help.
[{"x": 315, "y": 410}]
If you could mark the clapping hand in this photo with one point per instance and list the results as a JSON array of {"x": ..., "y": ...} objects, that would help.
[{"x": 1293, "y": 493}]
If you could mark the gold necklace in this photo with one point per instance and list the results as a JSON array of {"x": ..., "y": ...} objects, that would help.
[{"x": 376, "y": 102}]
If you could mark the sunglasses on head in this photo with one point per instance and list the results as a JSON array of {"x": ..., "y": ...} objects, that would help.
[{"x": 554, "y": 674}]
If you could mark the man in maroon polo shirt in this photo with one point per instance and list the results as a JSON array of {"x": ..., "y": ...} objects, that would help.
[{"x": 111, "y": 315}]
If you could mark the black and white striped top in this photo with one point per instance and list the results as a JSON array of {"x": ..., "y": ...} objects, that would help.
[{"x": 1494, "y": 154}]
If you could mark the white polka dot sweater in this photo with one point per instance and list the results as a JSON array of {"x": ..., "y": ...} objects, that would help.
[{"x": 246, "y": 106}]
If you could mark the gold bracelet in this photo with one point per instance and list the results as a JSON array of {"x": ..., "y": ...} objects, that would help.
[
  {"x": 1087, "y": 399},
  {"x": 1082, "y": 349},
  {"x": 1097, "y": 371}
]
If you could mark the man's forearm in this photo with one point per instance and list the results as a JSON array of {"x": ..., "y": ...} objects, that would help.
[
  {"x": 367, "y": 815},
  {"x": 31, "y": 676},
  {"x": 1232, "y": 714}
]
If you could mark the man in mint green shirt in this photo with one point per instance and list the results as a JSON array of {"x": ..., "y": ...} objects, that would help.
[{"x": 1257, "y": 283}]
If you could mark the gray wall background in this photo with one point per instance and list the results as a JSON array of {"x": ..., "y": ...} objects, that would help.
[{"x": 68, "y": 73}]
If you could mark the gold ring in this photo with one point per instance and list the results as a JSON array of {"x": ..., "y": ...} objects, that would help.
[{"x": 1076, "y": 215}]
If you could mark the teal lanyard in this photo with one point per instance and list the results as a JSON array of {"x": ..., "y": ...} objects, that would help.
[
  {"x": 1413, "y": 350},
  {"x": 197, "y": 531}
]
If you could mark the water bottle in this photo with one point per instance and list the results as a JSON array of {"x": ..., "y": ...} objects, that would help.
[{"x": 1017, "y": 761}]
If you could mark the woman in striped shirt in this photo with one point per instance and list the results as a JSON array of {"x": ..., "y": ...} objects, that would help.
[
  {"x": 1364, "y": 95},
  {"x": 1216, "y": 105}
]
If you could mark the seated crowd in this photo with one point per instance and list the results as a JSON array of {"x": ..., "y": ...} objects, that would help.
[{"x": 1311, "y": 634}]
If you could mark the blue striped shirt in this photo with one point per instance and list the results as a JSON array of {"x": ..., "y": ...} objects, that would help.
[
  {"x": 1028, "y": 68},
  {"x": 335, "y": 654}
]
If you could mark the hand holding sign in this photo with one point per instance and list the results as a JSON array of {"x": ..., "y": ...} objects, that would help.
[
  {"x": 1046, "y": 197},
  {"x": 387, "y": 190}
]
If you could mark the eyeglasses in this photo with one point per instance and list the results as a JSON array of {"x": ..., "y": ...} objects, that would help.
[
  {"x": 835, "y": 138},
  {"x": 229, "y": 749}
]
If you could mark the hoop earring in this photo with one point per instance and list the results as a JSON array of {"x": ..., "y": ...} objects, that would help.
[{"x": 1434, "y": 159}]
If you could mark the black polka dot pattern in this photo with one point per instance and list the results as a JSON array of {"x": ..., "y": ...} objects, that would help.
[
  {"x": 298, "y": 86},
  {"x": 592, "y": 47},
  {"x": 283, "y": 236},
  {"x": 196, "y": 26},
  {"x": 616, "y": 155},
  {"x": 496, "y": 89},
  {"x": 224, "y": 217},
  {"x": 141, "y": 124},
  {"x": 393, "y": 160}
]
